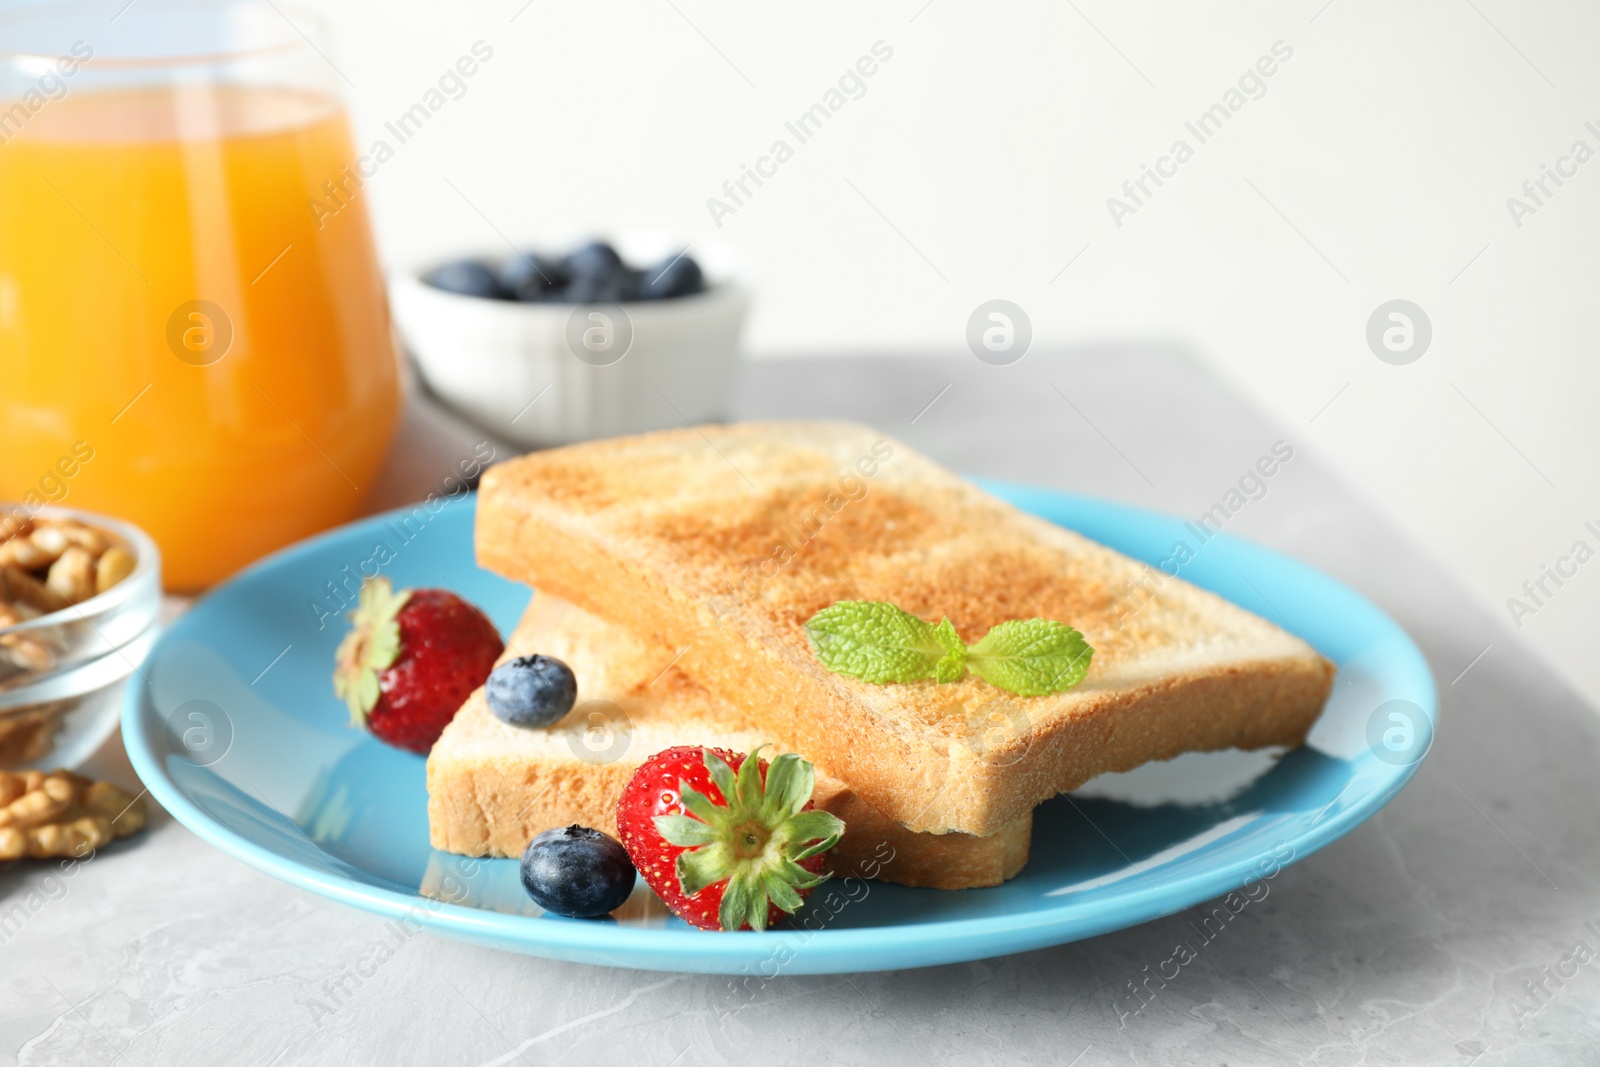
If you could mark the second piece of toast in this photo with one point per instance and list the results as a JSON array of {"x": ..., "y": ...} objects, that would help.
[{"x": 492, "y": 786}]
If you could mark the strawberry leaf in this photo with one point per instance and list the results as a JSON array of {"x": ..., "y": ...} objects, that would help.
[
  {"x": 720, "y": 773},
  {"x": 790, "y": 781},
  {"x": 823, "y": 828},
  {"x": 701, "y": 867},
  {"x": 783, "y": 895},
  {"x": 683, "y": 831},
  {"x": 801, "y": 878},
  {"x": 371, "y": 646},
  {"x": 748, "y": 784},
  {"x": 742, "y": 903},
  {"x": 696, "y": 803}
]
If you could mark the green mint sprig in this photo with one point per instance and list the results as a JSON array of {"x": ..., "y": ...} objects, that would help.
[{"x": 878, "y": 643}]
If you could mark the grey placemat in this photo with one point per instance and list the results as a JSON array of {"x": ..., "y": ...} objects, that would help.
[{"x": 1443, "y": 931}]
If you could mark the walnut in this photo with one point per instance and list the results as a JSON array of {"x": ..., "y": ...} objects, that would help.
[
  {"x": 113, "y": 566},
  {"x": 47, "y": 543},
  {"x": 29, "y": 734},
  {"x": 27, "y": 653},
  {"x": 49, "y": 563},
  {"x": 85, "y": 537},
  {"x": 19, "y": 587},
  {"x": 62, "y": 814},
  {"x": 46, "y": 564},
  {"x": 22, "y": 552},
  {"x": 72, "y": 574}
]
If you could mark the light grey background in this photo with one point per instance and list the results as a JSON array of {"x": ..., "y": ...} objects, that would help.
[
  {"x": 1377, "y": 165},
  {"x": 1407, "y": 942}
]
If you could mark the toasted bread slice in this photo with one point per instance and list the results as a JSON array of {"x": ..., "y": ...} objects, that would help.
[
  {"x": 723, "y": 541},
  {"x": 492, "y": 786}
]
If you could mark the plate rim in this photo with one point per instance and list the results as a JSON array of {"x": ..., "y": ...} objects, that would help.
[{"x": 822, "y": 951}]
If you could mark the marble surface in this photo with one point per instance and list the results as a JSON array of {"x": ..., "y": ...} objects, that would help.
[{"x": 1461, "y": 925}]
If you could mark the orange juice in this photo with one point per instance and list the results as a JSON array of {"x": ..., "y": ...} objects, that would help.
[{"x": 189, "y": 339}]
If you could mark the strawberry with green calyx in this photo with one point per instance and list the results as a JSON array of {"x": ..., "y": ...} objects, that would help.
[
  {"x": 727, "y": 841},
  {"x": 410, "y": 660}
]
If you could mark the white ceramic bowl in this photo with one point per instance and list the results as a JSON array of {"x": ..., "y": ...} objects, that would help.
[{"x": 541, "y": 374}]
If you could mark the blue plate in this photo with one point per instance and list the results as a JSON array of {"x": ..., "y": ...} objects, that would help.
[{"x": 238, "y": 735}]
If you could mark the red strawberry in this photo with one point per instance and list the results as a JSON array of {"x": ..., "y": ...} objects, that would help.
[
  {"x": 728, "y": 841},
  {"x": 410, "y": 660}
]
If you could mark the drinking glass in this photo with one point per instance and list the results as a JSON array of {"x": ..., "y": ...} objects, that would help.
[{"x": 194, "y": 333}]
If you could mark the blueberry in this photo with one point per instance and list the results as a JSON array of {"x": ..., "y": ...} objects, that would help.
[
  {"x": 531, "y": 691},
  {"x": 618, "y": 287},
  {"x": 528, "y": 276},
  {"x": 594, "y": 260},
  {"x": 680, "y": 276},
  {"x": 577, "y": 872},
  {"x": 467, "y": 277}
]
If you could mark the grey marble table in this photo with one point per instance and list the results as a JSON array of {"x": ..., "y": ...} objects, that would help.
[{"x": 1447, "y": 930}]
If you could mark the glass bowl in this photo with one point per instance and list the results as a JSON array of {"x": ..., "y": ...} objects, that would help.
[{"x": 61, "y": 674}]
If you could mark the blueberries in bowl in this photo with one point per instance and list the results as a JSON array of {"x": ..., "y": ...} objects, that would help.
[
  {"x": 577, "y": 872},
  {"x": 678, "y": 276},
  {"x": 592, "y": 274},
  {"x": 618, "y": 287},
  {"x": 594, "y": 260},
  {"x": 529, "y": 276},
  {"x": 531, "y": 691},
  {"x": 466, "y": 277}
]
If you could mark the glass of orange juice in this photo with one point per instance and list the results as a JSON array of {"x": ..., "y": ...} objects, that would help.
[{"x": 194, "y": 333}]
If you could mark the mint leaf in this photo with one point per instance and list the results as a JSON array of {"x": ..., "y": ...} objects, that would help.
[
  {"x": 1031, "y": 657},
  {"x": 877, "y": 642},
  {"x": 949, "y": 640},
  {"x": 952, "y": 666}
]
